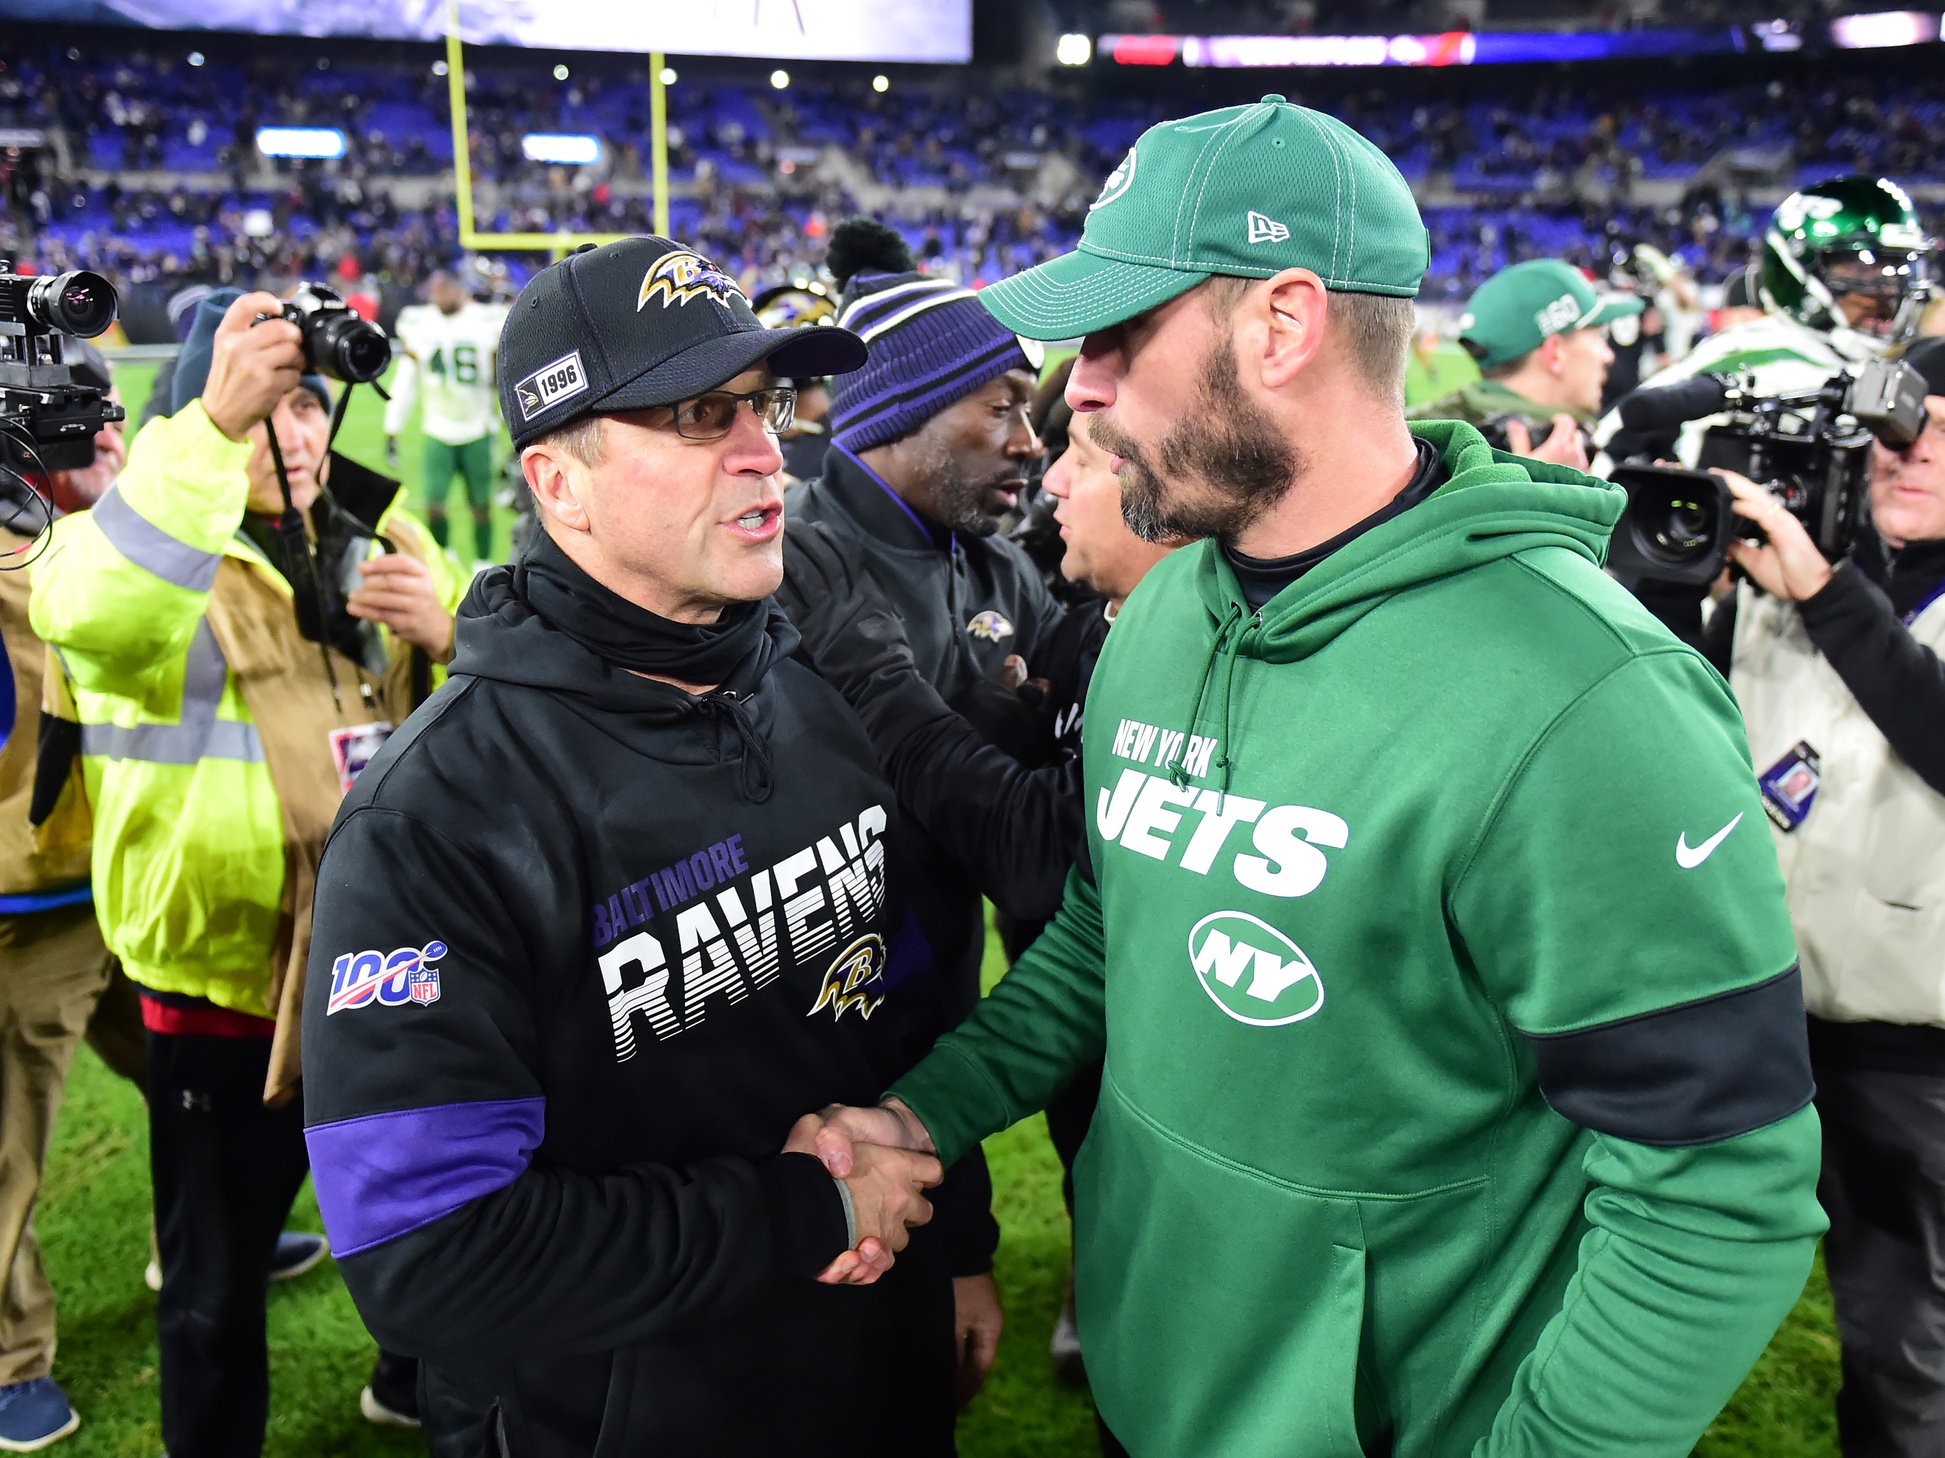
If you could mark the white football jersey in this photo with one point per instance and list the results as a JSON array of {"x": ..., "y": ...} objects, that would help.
[{"x": 447, "y": 360}]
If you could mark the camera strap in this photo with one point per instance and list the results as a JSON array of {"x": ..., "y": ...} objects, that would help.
[{"x": 300, "y": 555}]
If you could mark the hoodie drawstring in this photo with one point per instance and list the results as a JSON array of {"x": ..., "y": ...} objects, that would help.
[
  {"x": 759, "y": 777},
  {"x": 1228, "y": 634}
]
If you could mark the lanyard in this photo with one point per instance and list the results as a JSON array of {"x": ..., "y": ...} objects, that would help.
[{"x": 1924, "y": 602}]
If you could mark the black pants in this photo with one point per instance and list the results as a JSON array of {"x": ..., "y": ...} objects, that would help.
[
  {"x": 225, "y": 1170},
  {"x": 1883, "y": 1187}
]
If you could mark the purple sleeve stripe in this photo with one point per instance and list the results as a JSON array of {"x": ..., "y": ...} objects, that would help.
[{"x": 386, "y": 1175}]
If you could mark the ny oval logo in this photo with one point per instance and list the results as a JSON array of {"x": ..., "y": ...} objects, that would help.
[{"x": 1252, "y": 971}]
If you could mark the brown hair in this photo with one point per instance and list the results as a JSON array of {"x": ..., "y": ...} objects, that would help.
[{"x": 1376, "y": 329}]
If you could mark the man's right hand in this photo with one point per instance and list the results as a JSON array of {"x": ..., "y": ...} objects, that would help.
[
  {"x": 1562, "y": 446},
  {"x": 251, "y": 366},
  {"x": 884, "y": 1158}
]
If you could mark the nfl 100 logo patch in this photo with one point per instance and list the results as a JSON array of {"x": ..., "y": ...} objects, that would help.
[{"x": 391, "y": 979}]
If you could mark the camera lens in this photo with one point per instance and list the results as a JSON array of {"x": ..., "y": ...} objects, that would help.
[
  {"x": 80, "y": 303},
  {"x": 1684, "y": 528},
  {"x": 1672, "y": 524},
  {"x": 347, "y": 347}
]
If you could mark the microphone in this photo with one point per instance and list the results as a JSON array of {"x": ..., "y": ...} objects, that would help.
[{"x": 1669, "y": 406}]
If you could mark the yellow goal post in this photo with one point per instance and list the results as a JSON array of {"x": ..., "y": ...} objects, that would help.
[{"x": 558, "y": 244}]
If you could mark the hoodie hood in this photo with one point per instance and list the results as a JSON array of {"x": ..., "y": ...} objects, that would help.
[
  {"x": 1492, "y": 505},
  {"x": 499, "y": 635}
]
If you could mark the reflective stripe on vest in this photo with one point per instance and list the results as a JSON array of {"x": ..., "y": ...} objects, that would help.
[
  {"x": 148, "y": 546},
  {"x": 199, "y": 735}
]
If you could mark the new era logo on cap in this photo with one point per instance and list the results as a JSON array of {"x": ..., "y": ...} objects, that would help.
[
  {"x": 558, "y": 380},
  {"x": 1266, "y": 230}
]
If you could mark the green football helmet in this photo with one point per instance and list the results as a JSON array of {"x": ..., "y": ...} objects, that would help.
[{"x": 1848, "y": 253}]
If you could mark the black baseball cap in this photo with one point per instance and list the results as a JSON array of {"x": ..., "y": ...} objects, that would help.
[{"x": 641, "y": 322}]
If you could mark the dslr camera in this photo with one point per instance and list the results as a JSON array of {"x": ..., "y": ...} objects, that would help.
[
  {"x": 337, "y": 343},
  {"x": 48, "y": 419},
  {"x": 1811, "y": 451}
]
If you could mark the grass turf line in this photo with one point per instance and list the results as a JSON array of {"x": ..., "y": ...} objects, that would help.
[{"x": 93, "y": 1223}]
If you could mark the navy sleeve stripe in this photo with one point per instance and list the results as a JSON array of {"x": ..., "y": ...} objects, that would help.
[
  {"x": 386, "y": 1175},
  {"x": 1694, "y": 1074}
]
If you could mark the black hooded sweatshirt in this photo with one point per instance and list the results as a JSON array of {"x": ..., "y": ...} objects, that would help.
[{"x": 585, "y": 946}]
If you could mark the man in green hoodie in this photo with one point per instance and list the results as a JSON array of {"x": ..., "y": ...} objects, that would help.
[{"x": 1456, "y": 1096}]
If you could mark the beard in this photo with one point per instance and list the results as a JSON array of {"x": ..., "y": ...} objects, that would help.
[
  {"x": 1212, "y": 475},
  {"x": 957, "y": 495}
]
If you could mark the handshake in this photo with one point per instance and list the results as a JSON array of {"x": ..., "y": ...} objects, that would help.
[{"x": 884, "y": 1158}]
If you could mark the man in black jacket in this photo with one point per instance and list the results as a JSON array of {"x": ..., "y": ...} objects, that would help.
[
  {"x": 604, "y": 917},
  {"x": 930, "y": 447}
]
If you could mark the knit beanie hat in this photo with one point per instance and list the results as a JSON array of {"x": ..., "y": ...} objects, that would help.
[
  {"x": 199, "y": 346},
  {"x": 931, "y": 341}
]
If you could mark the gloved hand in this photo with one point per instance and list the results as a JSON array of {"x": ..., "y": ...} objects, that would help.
[{"x": 852, "y": 635}]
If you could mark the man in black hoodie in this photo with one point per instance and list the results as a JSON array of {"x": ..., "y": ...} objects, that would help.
[
  {"x": 603, "y": 917},
  {"x": 931, "y": 445}
]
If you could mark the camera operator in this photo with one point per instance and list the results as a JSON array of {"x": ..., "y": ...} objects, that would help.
[
  {"x": 60, "y": 983},
  {"x": 216, "y": 743},
  {"x": 1538, "y": 332},
  {"x": 1838, "y": 674}
]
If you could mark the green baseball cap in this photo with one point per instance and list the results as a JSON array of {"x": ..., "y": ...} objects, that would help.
[
  {"x": 1519, "y": 308},
  {"x": 1247, "y": 191}
]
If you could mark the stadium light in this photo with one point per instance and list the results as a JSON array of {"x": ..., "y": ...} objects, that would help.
[
  {"x": 439, "y": 68},
  {"x": 1883, "y": 29},
  {"x": 780, "y": 79},
  {"x": 560, "y": 72},
  {"x": 570, "y": 149},
  {"x": 316, "y": 142},
  {"x": 881, "y": 83},
  {"x": 668, "y": 75},
  {"x": 1074, "y": 50},
  {"x": 195, "y": 58}
]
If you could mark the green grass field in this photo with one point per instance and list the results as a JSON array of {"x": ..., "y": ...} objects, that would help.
[{"x": 93, "y": 1223}]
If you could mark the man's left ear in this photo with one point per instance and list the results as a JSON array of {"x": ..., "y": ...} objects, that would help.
[{"x": 1298, "y": 307}]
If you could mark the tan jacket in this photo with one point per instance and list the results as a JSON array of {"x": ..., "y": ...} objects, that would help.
[
  {"x": 1866, "y": 868},
  {"x": 30, "y": 865}
]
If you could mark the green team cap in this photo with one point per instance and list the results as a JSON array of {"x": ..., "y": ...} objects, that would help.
[
  {"x": 1247, "y": 191},
  {"x": 1519, "y": 308}
]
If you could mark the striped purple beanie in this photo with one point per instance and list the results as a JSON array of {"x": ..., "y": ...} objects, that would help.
[{"x": 931, "y": 341}]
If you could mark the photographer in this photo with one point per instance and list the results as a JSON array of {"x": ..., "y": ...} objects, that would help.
[
  {"x": 59, "y": 983},
  {"x": 216, "y": 742},
  {"x": 1837, "y": 671},
  {"x": 1538, "y": 331}
]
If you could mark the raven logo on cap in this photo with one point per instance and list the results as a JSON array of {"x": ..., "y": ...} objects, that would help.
[{"x": 680, "y": 276}]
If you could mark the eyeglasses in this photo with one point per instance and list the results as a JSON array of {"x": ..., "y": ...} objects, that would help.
[{"x": 713, "y": 416}]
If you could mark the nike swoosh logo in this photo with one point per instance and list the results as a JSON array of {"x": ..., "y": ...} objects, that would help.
[{"x": 1689, "y": 857}]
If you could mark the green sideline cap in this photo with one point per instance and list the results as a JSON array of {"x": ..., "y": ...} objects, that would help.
[
  {"x": 1519, "y": 308},
  {"x": 1248, "y": 191}
]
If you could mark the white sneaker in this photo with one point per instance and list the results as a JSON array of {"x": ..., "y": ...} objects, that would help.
[
  {"x": 376, "y": 1412},
  {"x": 1065, "y": 1348}
]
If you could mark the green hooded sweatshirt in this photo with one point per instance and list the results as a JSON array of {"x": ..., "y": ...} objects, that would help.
[{"x": 1456, "y": 1083}]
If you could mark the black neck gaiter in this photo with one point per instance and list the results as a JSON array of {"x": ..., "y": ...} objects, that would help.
[{"x": 627, "y": 636}]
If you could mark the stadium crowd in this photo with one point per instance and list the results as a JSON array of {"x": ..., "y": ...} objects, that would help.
[
  {"x": 619, "y": 1104},
  {"x": 1556, "y": 169}
]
